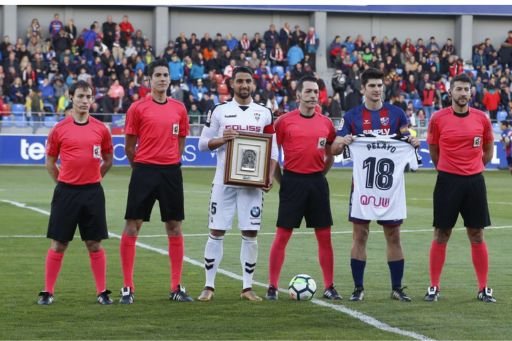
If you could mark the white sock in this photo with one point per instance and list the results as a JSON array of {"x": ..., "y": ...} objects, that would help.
[
  {"x": 248, "y": 258},
  {"x": 213, "y": 252}
]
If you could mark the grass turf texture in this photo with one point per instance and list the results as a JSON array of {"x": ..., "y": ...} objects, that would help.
[{"x": 76, "y": 315}]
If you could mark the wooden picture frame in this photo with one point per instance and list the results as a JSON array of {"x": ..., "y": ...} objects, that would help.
[{"x": 248, "y": 160}]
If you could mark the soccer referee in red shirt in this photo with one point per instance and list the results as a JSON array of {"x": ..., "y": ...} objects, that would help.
[
  {"x": 305, "y": 136},
  {"x": 84, "y": 146},
  {"x": 461, "y": 143},
  {"x": 156, "y": 127}
]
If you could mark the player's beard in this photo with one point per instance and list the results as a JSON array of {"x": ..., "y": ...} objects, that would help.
[
  {"x": 243, "y": 94},
  {"x": 461, "y": 102}
]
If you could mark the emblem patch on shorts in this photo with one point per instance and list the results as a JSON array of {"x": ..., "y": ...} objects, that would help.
[
  {"x": 175, "y": 129},
  {"x": 255, "y": 212},
  {"x": 477, "y": 141},
  {"x": 322, "y": 141},
  {"x": 96, "y": 152}
]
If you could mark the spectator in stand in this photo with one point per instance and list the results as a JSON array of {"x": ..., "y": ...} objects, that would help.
[
  {"x": 197, "y": 90},
  {"x": 285, "y": 36},
  {"x": 126, "y": 30},
  {"x": 335, "y": 49},
  {"x": 109, "y": 28},
  {"x": 71, "y": 30},
  {"x": 89, "y": 37},
  {"x": 491, "y": 101},
  {"x": 244, "y": 44},
  {"x": 433, "y": 46},
  {"x": 312, "y": 44},
  {"x": 298, "y": 37},
  {"x": 449, "y": 47},
  {"x": 339, "y": 85},
  {"x": 428, "y": 98},
  {"x": 55, "y": 25},
  {"x": 353, "y": 98},
  {"x": 17, "y": 92},
  {"x": 34, "y": 29},
  {"x": 506, "y": 137},
  {"x": 271, "y": 37},
  {"x": 277, "y": 56},
  {"x": 34, "y": 108},
  {"x": 231, "y": 42},
  {"x": 115, "y": 95},
  {"x": 176, "y": 69},
  {"x": 62, "y": 42},
  {"x": 333, "y": 109},
  {"x": 294, "y": 55}
]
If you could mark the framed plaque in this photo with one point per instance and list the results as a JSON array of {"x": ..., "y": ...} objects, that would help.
[{"x": 248, "y": 160}]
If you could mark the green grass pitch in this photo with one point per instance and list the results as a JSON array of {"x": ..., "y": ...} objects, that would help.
[{"x": 76, "y": 315}]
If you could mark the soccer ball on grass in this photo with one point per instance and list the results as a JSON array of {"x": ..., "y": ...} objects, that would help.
[{"x": 302, "y": 287}]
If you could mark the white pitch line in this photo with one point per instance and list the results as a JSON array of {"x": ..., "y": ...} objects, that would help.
[{"x": 337, "y": 307}]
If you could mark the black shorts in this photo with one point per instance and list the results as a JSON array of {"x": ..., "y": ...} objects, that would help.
[
  {"x": 467, "y": 195},
  {"x": 304, "y": 195},
  {"x": 82, "y": 205},
  {"x": 149, "y": 183}
]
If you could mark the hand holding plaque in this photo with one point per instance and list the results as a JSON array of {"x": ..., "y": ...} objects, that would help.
[{"x": 248, "y": 160}]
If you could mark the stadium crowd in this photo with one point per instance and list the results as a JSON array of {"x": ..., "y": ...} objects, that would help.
[{"x": 37, "y": 69}]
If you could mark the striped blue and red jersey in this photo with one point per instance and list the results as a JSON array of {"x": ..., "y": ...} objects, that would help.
[{"x": 387, "y": 120}]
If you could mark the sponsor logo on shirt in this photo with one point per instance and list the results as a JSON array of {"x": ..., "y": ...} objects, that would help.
[
  {"x": 230, "y": 116},
  {"x": 370, "y": 200},
  {"x": 96, "y": 151},
  {"x": 477, "y": 141},
  {"x": 384, "y": 131},
  {"x": 243, "y": 127},
  {"x": 175, "y": 129},
  {"x": 322, "y": 141}
]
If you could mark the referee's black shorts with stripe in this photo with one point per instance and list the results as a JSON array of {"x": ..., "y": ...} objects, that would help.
[
  {"x": 304, "y": 195},
  {"x": 149, "y": 183},
  {"x": 82, "y": 205},
  {"x": 467, "y": 195}
]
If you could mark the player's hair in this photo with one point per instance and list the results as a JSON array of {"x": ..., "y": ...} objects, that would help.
[
  {"x": 371, "y": 73},
  {"x": 79, "y": 85},
  {"x": 241, "y": 69},
  {"x": 300, "y": 83},
  {"x": 463, "y": 77},
  {"x": 155, "y": 64}
]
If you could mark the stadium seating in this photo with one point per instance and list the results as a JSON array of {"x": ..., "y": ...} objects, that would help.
[
  {"x": 18, "y": 111},
  {"x": 50, "y": 121},
  {"x": 501, "y": 116}
]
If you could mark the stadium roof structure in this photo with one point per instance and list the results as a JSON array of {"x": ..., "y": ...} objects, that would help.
[{"x": 490, "y": 10}]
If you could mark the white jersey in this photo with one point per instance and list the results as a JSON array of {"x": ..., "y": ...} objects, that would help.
[
  {"x": 231, "y": 115},
  {"x": 378, "y": 176}
]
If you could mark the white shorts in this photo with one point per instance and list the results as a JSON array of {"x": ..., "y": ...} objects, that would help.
[{"x": 224, "y": 202}]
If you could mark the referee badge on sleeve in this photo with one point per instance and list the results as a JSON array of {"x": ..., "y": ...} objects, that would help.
[
  {"x": 175, "y": 129},
  {"x": 477, "y": 141},
  {"x": 96, "y": 152},
  {"x": 322, "y": 141}
]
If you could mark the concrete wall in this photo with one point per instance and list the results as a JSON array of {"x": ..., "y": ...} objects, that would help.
[
  {"x": 495, "y": 28},
  {"x": 401, "y": 27},
  {"x": 235, "y": 22}
]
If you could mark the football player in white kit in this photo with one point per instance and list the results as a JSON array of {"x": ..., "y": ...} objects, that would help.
[{"x": 224, "y": 122}]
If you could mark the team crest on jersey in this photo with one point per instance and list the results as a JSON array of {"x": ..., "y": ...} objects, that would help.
[
  {"x": 384, "y": 121},
  {"x": 322, "y": 141},
  {"x": 175, "y": 129},
  {"x": 96, "y": 151},
  {"x": 477, "y": 141},
  {"x": 255, "y": 212},
  {"x": 257, "y": 116}
]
